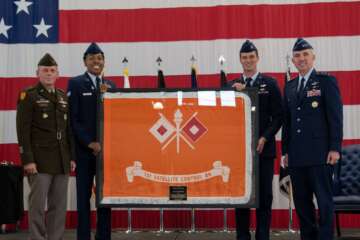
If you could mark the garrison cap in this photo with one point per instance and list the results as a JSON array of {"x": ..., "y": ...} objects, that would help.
[
  {"x": 247, "y": 46},
  {"x": 47, "y": 60},
  {"x": 301, "y": 44},
  {"x": 93, "y": 49}
]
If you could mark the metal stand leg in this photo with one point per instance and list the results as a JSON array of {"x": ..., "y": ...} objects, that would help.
[
  {"x": 192, "y": 220},
  {"x": 161, "y": 230},
  {"x": 225, "y": 221},
  {"x": 129, "y": 230}
]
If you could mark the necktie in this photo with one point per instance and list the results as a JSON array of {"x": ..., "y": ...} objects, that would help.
[
  {"x": 97, "y": 83},
  {"x": 248, "y": 82},
  {"x": 301, "y": 88}
]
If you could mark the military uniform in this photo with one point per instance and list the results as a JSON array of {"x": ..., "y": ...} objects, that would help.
[
  {"x": 270, "y": 121},
  {"x": 83, "y": 99},
  {"x": 45, "y": 139},
  {"x": 313, "y": 126},
  {"x": 43, "y": 130}
]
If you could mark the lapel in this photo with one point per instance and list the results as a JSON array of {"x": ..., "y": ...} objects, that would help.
[
  {"x": 44, "y": 93},
  {"x": 89, "y": 83},
  {"x": 291, "y": 88},
  {"x": 257, "y": 81},
  {"x": 306, "y": 87}
]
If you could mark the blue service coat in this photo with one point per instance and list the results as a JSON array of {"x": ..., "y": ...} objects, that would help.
[
  {"x": 83, "y": 110},
  {"x": 313, "y": 123},
  {"x": 270, "y": 111}
]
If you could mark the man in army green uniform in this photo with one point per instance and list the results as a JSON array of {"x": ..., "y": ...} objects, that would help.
[{"x": 45, "y": 143}]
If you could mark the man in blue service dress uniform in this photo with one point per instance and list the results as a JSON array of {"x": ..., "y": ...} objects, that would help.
[
  {"x": 311, "y": 143},
  {"x": 270, "y": 120},
  {"x": 83, "y": 92}
]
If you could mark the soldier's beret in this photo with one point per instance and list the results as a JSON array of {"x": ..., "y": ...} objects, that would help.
[
  {"x": 247, "y": 46},
  {"x": 47, "y": 60},
  {"x": 93, "y": 49},
  {"x": 301, "y": 44}
]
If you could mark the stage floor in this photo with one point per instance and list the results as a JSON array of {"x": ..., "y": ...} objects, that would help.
[{"x": 120, "y": 235}]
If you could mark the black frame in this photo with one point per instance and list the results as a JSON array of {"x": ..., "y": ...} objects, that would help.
[{"x": 253, "y": 201}]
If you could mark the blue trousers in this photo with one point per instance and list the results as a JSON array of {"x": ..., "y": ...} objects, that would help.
[
  {"x": 263, "y": 213},
  {"x": 85, "y": 172},
  {"x": 308, "y": 182}
]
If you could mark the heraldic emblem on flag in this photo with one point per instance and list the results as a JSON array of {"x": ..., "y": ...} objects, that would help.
[
  {"x": 190, "y": 131},
  {"x": 151, "y": 143}
]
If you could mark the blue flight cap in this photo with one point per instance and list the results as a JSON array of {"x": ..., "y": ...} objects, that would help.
[
  {"x": 93, "y": 49},
  {"x": 301, "y": 44},
  {"x": 247, "y": 46}
]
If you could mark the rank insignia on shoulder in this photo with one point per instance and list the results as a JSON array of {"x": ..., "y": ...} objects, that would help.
[
  {"x": 65, "y": 117},
  {"x": 323, "y": 73},
  {"x": 22, "y": 95},
  {"x": 314, "y": 104}
]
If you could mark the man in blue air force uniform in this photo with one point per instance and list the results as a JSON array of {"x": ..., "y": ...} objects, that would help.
[
  {"x": 311, "y": 141},
  {"x": 83, "y": 92},
  {"x": 270, "y": 120}
]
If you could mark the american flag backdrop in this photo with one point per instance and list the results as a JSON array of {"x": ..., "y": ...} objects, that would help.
[{"x": 143, "y": 30}]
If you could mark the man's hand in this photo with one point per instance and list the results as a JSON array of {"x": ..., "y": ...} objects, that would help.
[
  {"x": 238, "y": 86},
  {"x": 30, "y": 168},
  {"x": 261, "y": 144},
  {"x": 72, "y": 165},
  {"x": 96, "y": 147},
  {"x": 333, "y": 157},
  {"x": 285, "y": 160}
]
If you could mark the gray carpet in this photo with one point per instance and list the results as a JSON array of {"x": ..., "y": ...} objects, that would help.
[{"x": 121, "y": 235}]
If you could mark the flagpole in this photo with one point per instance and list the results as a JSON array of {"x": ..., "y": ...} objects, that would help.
[
  {"x": 290, "y": 226},
  {"x": 290, "y": 229},
  {"x": 126, "y": 73},
  {"x": 178, "y": 120}
]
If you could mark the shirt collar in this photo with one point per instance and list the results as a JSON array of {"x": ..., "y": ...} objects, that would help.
[
  {"x": 253, "y": 78},
  {"x": 307, "y": 75},
  {"x": 93, "y": 77}
]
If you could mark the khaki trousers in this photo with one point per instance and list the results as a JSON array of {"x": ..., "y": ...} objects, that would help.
[{"x": 50, "y": 189}]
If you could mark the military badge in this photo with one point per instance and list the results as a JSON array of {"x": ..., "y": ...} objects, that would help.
[
  {"x": 22, "y": 95},
  {"x": 314, "y": 104},
  {"x": 103, "y": 88},
  {"x": 314, "y": 93},
  {"x": 45, "y": 115}
]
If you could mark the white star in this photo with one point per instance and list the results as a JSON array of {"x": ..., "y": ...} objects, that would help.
[
  {"x": 42, "y": 28},
  {"x": 4, "y": 28},
  {"x": 22, "y": 5}
]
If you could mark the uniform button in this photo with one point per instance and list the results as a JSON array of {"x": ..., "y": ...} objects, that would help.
[
  {"x": 298, "y": 119},
  {"x": 299, "y": 108},
  {"x": 298, "y": 131}
]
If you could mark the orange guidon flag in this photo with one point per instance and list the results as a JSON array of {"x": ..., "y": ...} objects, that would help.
[{"x": 153, "y": 141}]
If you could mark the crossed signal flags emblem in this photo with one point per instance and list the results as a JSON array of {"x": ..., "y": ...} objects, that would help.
[{"x": 190, "y": 132}]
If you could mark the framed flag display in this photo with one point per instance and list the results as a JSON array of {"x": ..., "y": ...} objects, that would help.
[{"x": 178, "y": 149}]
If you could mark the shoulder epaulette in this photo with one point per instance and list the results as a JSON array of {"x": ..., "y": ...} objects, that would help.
[{"x": 322, "y": 74}]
